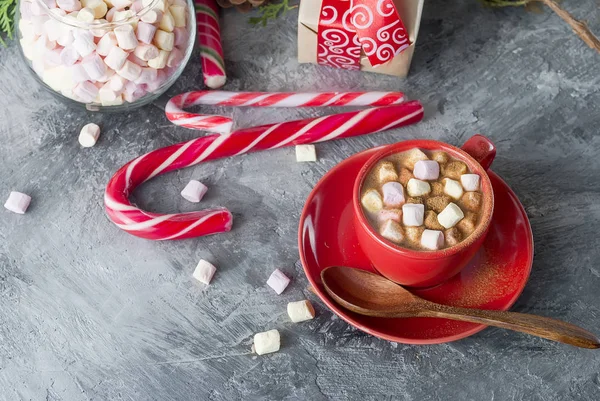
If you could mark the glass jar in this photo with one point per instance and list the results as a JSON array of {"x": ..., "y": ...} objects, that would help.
[{"x": 107, "y": 55}]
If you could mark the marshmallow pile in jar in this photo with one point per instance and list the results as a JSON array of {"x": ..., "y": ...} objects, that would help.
[
  {"x": 422, "y": 200},
  {"x": 107, "y": 54}
]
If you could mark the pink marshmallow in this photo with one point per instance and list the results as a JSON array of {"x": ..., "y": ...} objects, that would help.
[
  {"x": 65, "y": 39},
  {"x": 426, "y": 170},
  {"x": 53, "y": 57},
  {"x": 52, "y": 30},
  {"x": 145, "y": 32},
  {"x": 278, "y": 281},
  {"x": 133, "y": 92},
  {"x": 84, "y": 43},
  {"x": 94, "y": 66},
  {"x": 78, "y": 73},
  {"x": 69, "y": 56},
  {"x": 148, "y": 75},
  {"x": 175, "y": 58},
  {"x": 389, "y": 214},
  {"x": 146, "y": 52},
  {"x": 69, "y": 5},
  {"x": 137, "y": 60},
  {"x": 117, "y": 83},
  {"x": 194, "y": 191},
  {"x": 86, "y": 91},
  {"x": 393, "y": 194},
  {"x": 110, "y": 14},
  {"x": 17, "y": 202},
  {"x": 181, "y": 36},
  {"x": 106, "y": 43},
  {"x": 121, "y": 4},
  {"x": 137, "y": 6},
  {"x": 157, "y": 83},
  {"x": 116, "y": 58}
]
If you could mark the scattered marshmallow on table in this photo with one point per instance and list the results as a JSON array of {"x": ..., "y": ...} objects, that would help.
[
  {"x": 453, "y": 188},
  {"x": 204, "y": 272},
  {"x": 393, "y": 194},
  {"x": 267, "y": 342},
  {"x": 426, "y": 170},
  {"x": 413, "y": 214},
  {"x": 17, "y": 202},
  {"x": 194, "y": 191},
  {"x": 417, "y": 187},
  {"x": 305, "y": 153},
  {"x": 300, "y": 311},
  {"x": 470, "y": 182},
  {"x": 451, "y": 215},
  {"x": 432, "y": 239},
  {"x": 278, "y": 281},
  {"x": 89, "y": 135}
]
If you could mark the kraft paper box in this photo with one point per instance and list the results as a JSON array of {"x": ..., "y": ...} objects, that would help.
[{"x": 308, "y": 22}]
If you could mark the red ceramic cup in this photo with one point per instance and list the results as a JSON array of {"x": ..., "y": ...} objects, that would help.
[{"x": 426, "y": 268}]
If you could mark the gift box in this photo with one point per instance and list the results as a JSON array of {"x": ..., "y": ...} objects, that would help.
[{"x": 370, "y": 35}]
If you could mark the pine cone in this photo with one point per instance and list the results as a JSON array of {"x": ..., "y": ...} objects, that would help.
[{"x": 242, "y": 5}]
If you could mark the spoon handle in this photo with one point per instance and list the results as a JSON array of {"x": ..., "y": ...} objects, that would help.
[{"x": 539, "y": 326}]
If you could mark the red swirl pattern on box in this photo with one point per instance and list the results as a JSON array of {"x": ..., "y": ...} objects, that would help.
[{"x": 348, "y": 27}]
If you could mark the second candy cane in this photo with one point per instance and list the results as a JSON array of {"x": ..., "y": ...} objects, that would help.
[{"x": 209, "y": 38}]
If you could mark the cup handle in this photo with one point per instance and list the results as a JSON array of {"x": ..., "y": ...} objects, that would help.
[{"x": 481, "y": 149}]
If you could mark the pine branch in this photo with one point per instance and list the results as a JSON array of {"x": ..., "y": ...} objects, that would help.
[
  {"x": 271, "y": 11},
  {"x": 7, "y": 19}
]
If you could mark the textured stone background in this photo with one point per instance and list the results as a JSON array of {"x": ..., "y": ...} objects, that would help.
[{"x": 88, "y": 312}]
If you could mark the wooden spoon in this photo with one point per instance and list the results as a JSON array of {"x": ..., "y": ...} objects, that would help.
[{"x": 373, "y": 295}]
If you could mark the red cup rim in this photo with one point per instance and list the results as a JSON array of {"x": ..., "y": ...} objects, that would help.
[{"x": 427, "y": 144}]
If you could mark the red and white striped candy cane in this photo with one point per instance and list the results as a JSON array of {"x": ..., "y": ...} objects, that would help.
[
  {"x": 209, "y": 37},
  {"x": 222, "y": 125},
  {"x": 186, "y": 225}
]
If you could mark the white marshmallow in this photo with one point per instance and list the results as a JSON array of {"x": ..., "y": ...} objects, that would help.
[
  {"x": 179, "y": 15},
  {"x": 66, "y": 38},
  {"x": 27, "y": 31},
  {"x": 106, "y": 94},
  {"x": 160, "y": 5},
  {"x": 145, "y": 32},
  {"x": 121, "y": 4},
  {"x": 167, "y": 23},
  {"x": 278, "y": 281},
  {"x": 88, "y": 136},
  {"x": 266, "y": 342},
  {"x": 204, "y": 272},
  {"x": 52, "y": 30},
  {"x": 194, "y": 191},
  {"x": 99, "y": 8},
  {"x": 17, "y": 202},
  {"x": 300, "y": 311},
  {"x": 306, "y": 153},
  {"x": 175, "y": 58},
  {"x": 427, "y": 170},
  {"x": 86, "y": 15},
  {"x": 470, "y": 182},
  {"x": 412, "y": 156},
  {"x": 99, "y": 32},
  {"x": 450, "y": 216},
  {"x": 160, "y": 61},
  {"x": 417, "y": 187},
  {"x": 122, "y": 15},
  {"x": 393, "y": 194},
  {"x": 130, "y": 71},
  {"x": 53, "y": 57},
  {"x": 164, "y": 40},
  {"x": 105, "y": 44},
  {"x": 69, "y": 5},
  {"x": 432, "y": 239},
  {"x": 126, "y": 37},
  {"x": 116, "y": 102},
  {"x": 86, "y": 91},
  {"x": 78, "y": 73},
  {"x": 69, "y": 56},
  {"x": 117, "y": 83},
  {"x": 28, "y": 49},
  {"x": 38, "y": 22},
  {"x": 413, "y": 214},
  {"x": 452, "y": 188},
  {"x": 152, "y": 16},
  {"x": 84, "y": 44},
  {"x": 55, "y": 77},
  {"x": 106, "y": 76},
  {"x": 134, "y": 59},
  {"x": 393, "y": 231},
  {"x": 94, "y": 66},
  {"x": 116, "y": 58},
  {"x": 42, "y": 44},
  {"x": 371, "y": 200},
  {"x": 146, "y": 52}
]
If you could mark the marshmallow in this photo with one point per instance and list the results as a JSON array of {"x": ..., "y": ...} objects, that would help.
[
  {"x": 470, "y": 182},
  {"x": 412, "y": 156},
  {"x": 86, "y": 91},
  {"x": 38, "y": 66},
  {"x": 88, "y": 136},
  {"x": 126, "y": 37},
  {"x": 455, "y": 169},
  {"x": 136, "y": 60},
  {"x": 78, "y": 73},
  {"x": 53, "y": 57},
  {"x": 152, "y": 16},
  {"x": 117, "y": 83},
  {"x": 56, "y": 78},
  {"x": 386, "y": 172},
  {"x": 159, "y": 5},
  {"x": 167, "y": 22},
  {"x": 417, "y": 187},
  {"x": 86, "y": 15},
  {"x": 100, "y": 8},
  {"x": 38, "y": 22},
  {"x": 153, "y": 86},
  {"x": 121, "y": 4},
  {"x": 133, "y": 92},
  {"x": 94, "y": 66},
  {"x": 121, "y": 15},
  {"x": 432, "y": 239},
  {"x": 116, "y": 58},
  {"x": 84, "y": 44},
  {"x": 146, "y": 52},
  {"x": 452, "y": 188},
  {"x": 17, "y": 202},
  {"x": 160, "y": 61},
  {"x": 267, "y": 342},
  {"x": 106, "y": 94},
  {"x": 194, "y": 191},
  {"x": 300, "y": 311},
  {"x": 105, "y": 44},
  {"x": 413, "y": 214},
  {"x": 175, "y": 58},
  {"x": 69, "y": 56},
  {"x": 66, "y": 38},
  {"x": 52, "y": 29},
  {"x": 278, "y": 281},
  {"x": 164, "y": 40},
  {"x": 371, "y": 201},
  {"x": 137, "y": 6},
  {"x": 204, "y": 272},
  {"x": 305, "y": 153},
  {"x": 100, "y": 31},
  {"x": 130, "y": 71},
  {"x": 26, "y": 30},
  {"x": 69, "y": 5},
  {"x": 110, "y": 14},
  {"x": 42, "y": 44},
  {"x": 106, "y": 76},
  {"x": 392, "y": 231},
  {"x": 181, "y": 37},
  {"x": 28, "y": 49},
  {"x": 179, "y": 15},
  {"x": 427, "y": 170},
  {"x": 389, "y": 214},
  {"x": 116, "y": 102},
  {"x": 451, "y": 215},
  {"x": 25, "y": 10},
  {"x": 393, "y": 194}
]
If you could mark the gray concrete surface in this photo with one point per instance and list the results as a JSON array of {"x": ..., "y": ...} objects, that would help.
[{"x": 88, "y": 312}]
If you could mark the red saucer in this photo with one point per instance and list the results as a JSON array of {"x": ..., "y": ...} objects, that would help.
[{"x": 493, "y": 280}]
